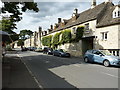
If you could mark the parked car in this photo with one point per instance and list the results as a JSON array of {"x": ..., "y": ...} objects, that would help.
[
  {"x": 101, "y": 56},
  {"x": 47, "y": 50},
  {"x": 61, "y": 53},
  {"x": 39, "y": 50},
  {"x": 32, "y": 48},
  {"x": 50, "y": 51},
  {"x": 24, "y": 49}
]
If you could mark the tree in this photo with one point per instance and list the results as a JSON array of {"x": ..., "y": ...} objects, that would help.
[
  {"x": 20, "y": 43},
  {"x": 8, "y": 26},
  {"x": 24, "y": 34},
  {"x": 16, "y": 10}
]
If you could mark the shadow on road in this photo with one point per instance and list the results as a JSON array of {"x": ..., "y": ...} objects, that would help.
[{"x": 16, "y": 75}]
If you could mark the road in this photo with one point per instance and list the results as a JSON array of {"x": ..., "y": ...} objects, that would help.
[{"x": 56, "y": 72}]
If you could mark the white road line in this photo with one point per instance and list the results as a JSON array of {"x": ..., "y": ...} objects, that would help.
[
  {"x": 110, "y": 75},
  {"x": 76, "y": 65},
  {"x": 31, "y": 74}
]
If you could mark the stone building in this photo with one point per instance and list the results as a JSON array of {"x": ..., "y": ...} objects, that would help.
[{"x": 102, "y": 29}]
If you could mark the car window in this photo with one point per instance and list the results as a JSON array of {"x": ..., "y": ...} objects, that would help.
[{"x": 97, "y": 53}]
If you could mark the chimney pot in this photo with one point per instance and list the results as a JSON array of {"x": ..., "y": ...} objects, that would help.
[
  {"x": 59, "y": 20},
  {"x": 51, "y": 27},
  {"x": 93, "y": 3}
]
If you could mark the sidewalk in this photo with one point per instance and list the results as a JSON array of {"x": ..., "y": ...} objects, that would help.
[{"x": 15, "y": 73}]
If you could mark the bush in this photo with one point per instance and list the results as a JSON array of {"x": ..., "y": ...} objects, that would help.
[{"x": 66, "y": 36}]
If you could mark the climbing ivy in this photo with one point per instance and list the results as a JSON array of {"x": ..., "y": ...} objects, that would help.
[{"x": 46, "y": 41}]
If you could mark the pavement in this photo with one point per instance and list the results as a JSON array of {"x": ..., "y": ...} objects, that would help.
[{"x": 15, "y": 74}]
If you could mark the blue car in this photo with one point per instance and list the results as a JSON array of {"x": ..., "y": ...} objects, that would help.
[
  {"x": 61, "y": 53},
  {"x": 101, "y": 56}
]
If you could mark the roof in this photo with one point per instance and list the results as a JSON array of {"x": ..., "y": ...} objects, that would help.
[
  {"x": 107, "y": 19},
  {"x": 102, "y": 13},
  {"x": 87, "y": 15}
]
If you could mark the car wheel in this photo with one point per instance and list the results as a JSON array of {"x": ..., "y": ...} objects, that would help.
[
  {"x": 86, "y": 60},
  {"x": 60, "y": 55},
  {"x": 106, "y": 63}
]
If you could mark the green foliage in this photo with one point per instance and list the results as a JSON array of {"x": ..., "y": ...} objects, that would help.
[
  {"x": 79, "y": 33},
  {"x": 24, "y": 34},
  {"x": 7, "y": 25},
  {"x": 20, "y": 42},
  {"x": 56, "y": 39},
  {"x": 16, "y": 10},
  {"x": 66, "y": 36},
  {"x": 46, "y": 41},
  {"x": 8, "y": 48}
]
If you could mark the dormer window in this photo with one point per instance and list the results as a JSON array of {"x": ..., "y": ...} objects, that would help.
[{"x": 116, "y": 12}]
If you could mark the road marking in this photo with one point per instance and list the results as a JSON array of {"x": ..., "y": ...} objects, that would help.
[
  {"x": 110, "y": 75},
  {"x": 31, "y": 73},
  {"x": 76, "y": 65}
]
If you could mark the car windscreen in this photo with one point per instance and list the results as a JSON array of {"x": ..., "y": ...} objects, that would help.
[{"x": 105, "y": 52}]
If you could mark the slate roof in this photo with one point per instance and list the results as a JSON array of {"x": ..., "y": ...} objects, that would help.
[
  {"x": 90, "y": 14},
  {"x": 102, "y": 13},
  {"x": 107, "y": 19}
]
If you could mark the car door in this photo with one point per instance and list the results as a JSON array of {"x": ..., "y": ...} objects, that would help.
[{"x": 98, "y": 57}]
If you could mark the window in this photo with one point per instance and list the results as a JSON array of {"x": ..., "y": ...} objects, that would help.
[
  {"x": 118, "y": 13},
  {"x": 74, "y": 30},
  {"x": 87, "y": 26},
  {"x": 104, "y": 35},
  {"x": 115, "y": 14}
]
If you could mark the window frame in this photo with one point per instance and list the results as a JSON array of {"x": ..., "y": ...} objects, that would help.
[{"x": 104, "y": 35}]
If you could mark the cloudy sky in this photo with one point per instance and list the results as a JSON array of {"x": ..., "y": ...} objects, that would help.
[{"x": 50, "y": 12}]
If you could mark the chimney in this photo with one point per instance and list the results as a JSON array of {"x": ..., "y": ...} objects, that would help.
[
  {"x": 51, "y": 27},
  {"x": 93, "y": 4},
  {"x": 75, "y": 11},
  {"x": 59, "y": 20},
  {"x": 40, "y": 29}
]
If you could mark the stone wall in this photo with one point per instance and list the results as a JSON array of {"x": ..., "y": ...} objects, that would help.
[{"x": 75, "y": 49}]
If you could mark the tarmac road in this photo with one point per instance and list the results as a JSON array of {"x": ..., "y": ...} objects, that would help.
[{"x": 56, "y": 72}]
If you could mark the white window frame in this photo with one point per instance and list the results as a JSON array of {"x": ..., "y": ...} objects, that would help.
[{"x": 104, "y": 37}]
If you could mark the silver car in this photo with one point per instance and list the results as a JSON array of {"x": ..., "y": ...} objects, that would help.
[{"x": 101, "y": 56}]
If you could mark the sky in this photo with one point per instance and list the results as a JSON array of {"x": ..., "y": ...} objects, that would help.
[{"x": 50, "y": 11}]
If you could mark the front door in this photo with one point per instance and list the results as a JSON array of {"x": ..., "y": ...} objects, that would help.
[{"x": 87, "y": 44}]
